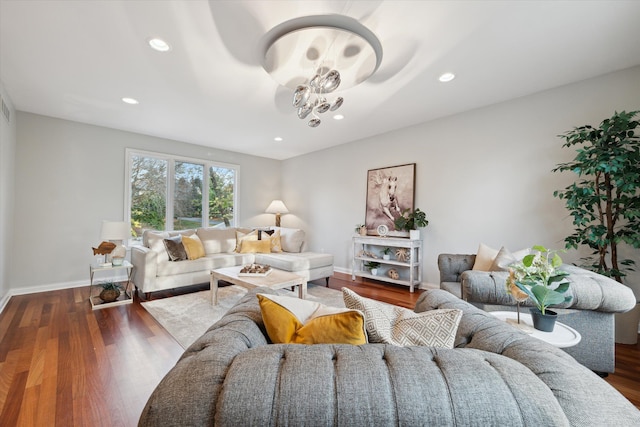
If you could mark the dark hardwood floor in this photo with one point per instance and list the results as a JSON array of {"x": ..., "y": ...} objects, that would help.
[{"x": 62, "y": 364}]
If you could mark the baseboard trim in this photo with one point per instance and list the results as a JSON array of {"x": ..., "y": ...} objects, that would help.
[
  {"x": 46, "y": 288},
  {"x": 4, "y": 301}
]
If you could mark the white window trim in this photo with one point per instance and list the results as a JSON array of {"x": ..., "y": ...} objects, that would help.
[{"x": 171, "y": 159}]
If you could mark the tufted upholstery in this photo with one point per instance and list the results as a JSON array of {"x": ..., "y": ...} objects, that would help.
[
  {"x": 595, "y": 299},
  {"x": 495, "y": 376}
]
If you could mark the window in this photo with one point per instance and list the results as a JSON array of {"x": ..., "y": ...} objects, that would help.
[{"x": 171, "y": 193}]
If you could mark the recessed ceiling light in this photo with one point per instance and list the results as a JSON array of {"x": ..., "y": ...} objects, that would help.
[
  {"x": 338, "y": 117},
  {"x": 159, "y": 45},
  {"x": 131, "y": 101},
  {"x": 447, "y": 77},
  {"x": 277, "y": 139}
]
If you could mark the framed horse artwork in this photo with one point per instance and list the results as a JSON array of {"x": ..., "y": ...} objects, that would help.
[{"x": 390, "y": 191}]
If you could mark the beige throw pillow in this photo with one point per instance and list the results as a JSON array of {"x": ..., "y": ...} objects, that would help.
[
  {"x": 402, "y": 327},
  {"x": 276, "y": 244},
  {"x": 484, "y": 258}
]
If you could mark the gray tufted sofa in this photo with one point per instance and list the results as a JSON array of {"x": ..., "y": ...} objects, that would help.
[
  {"x": 496, "y": 375},
  {"x": 596, "y": 299}
]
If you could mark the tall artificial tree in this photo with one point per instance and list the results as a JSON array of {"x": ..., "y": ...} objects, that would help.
[{"x": 605, "y": 201}]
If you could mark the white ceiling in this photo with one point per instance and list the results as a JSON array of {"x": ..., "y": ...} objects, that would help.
[{"x": 76, "y": 60}]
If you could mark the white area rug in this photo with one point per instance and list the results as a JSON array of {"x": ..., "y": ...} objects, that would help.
[{"x": 187, "y": 317}]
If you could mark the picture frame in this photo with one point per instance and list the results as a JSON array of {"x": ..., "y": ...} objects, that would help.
[{"x": 390, "y": 191}]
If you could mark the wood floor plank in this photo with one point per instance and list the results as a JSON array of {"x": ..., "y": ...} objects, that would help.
[
  {"x": 64, "y": 364},
  {"x": 46, "y": 408}
]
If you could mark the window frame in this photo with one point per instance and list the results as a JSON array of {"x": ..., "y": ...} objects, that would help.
[{"x": 170, "y": 188}]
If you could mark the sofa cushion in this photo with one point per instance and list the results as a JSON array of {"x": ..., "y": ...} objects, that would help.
[
  {"x": 208, "y": 262},
  {"x": 290, "y": 320},
  {"x": 193, "y": 246},
  {"x": 295, "y": 261},
  {"x": 292, "y": 239},
  {"x": 154, "y": 240},
  {"x": 175, "y": 248},
  {"x": 217, "y": 240},
  {"x": 398, "y": 326}
]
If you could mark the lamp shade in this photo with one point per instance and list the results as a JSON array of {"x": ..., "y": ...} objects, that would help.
[
  {"x": 115, "y": 230},
  {"x": 277, "y": 207}
]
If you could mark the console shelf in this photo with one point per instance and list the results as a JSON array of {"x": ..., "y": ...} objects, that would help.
[{"x": 369, "y": 249}]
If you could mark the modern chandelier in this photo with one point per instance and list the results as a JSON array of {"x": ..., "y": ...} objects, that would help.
[{"x": 316, "y": 55}]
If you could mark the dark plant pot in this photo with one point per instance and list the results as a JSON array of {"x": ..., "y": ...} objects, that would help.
[
  {"x": 543, "y": 322},
  {"x": 109, "y": 295}
]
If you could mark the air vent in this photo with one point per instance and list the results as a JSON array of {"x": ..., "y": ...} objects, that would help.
[{"x": 5, "y": 110}]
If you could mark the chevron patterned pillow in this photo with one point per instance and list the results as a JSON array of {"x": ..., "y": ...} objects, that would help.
[{"x": 402, "y": 327}]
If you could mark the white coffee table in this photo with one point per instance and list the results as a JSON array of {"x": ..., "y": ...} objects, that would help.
[
  {"x": 563, "y": 336},
  {"x": 277, "y": 279}
]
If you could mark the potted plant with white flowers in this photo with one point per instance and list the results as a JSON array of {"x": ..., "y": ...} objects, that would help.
[{"x": 539, "y": 277}]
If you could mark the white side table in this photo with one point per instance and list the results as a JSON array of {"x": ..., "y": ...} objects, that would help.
[
  {"x": 563, "y": 336},
  {"x": 125, "y": 297}
]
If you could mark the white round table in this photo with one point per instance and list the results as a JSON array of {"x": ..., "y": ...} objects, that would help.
[{"x": 562, "y": 336}]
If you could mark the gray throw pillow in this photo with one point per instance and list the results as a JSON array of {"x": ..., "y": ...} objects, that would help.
[{"x": 175, "y": 248}]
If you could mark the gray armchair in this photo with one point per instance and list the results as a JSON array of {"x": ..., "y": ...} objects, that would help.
[{"x": 596, "y": 299}]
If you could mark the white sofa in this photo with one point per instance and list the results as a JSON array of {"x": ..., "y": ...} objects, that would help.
[{"x": 153, "y": 271}]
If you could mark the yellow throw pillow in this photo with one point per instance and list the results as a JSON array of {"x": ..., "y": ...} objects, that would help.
[
  {"x": 240, "y": 237},
  {"x": 291, "y": 320},
  {"x": 255, "y": 246},
  {"x": 276, "y": 244},
  {"x": 193, "y": 246}
]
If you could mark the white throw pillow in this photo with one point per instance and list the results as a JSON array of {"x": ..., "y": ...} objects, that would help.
[
  {"x": 503, "y": 260},
  {"x": 484, "y": 258},
  {"x": 291, "y": 239},
  {"x": 402, "y": 327}
]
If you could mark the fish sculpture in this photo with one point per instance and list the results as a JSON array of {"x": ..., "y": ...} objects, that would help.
[{"x": 104, "y": 248}]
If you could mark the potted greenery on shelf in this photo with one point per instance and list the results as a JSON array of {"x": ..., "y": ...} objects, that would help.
[
  {"x": 110, "y": 291},
  {"x": 361, "y": 229},
  {"x": 386, "y": 253},
  {"x": 605, "y": 201},
  {"x": 410, "y": 221},
  {"x": 373, "y": 266},
  {"x": 538, "y": 276}
]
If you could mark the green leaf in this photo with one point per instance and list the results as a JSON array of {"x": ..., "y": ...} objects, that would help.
[{"x": 528, "y": 260}]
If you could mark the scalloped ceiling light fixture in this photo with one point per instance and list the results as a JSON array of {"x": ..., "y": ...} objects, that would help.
[{"x": 316, "y": 55}]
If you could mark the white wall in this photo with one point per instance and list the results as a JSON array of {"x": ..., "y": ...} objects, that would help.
[
  {"x": 70, "y": 176},
  {"x": 7, "y": 159},
  {"x": 481, "y": 176}
]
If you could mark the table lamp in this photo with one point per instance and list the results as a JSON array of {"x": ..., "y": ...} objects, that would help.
[
  {"x": 116, "y": 232},
  {"x": 277, "y": 207}
]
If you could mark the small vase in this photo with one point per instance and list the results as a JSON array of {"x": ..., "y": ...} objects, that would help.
[
  {"x": 386, "y": 257},
  {"x": 374, "y": 271},
  {"x": 414, "y": 234},
  {"x": 543, "y": 322},
  {"x": 363, "y": 231}
]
